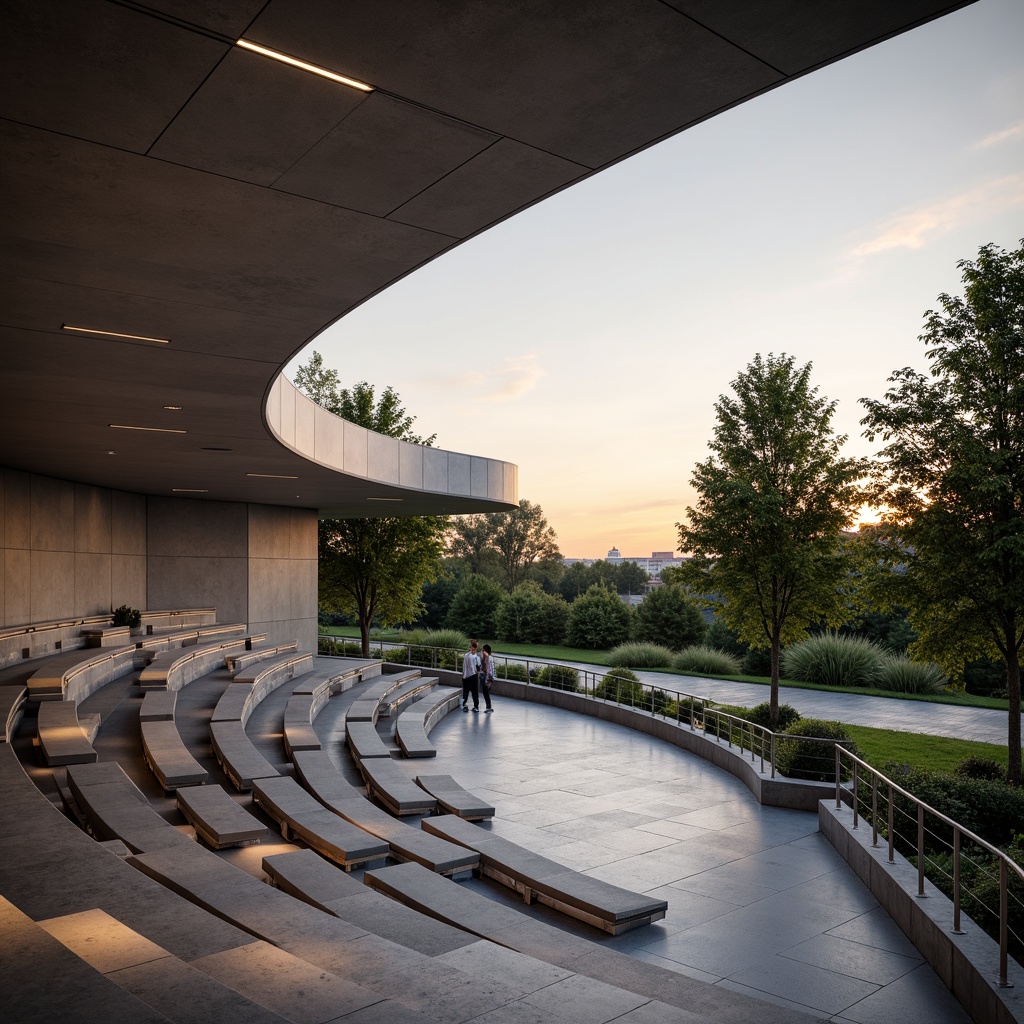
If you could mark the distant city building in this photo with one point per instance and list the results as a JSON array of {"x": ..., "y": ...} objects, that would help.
[{"x": 652, "y": 566}]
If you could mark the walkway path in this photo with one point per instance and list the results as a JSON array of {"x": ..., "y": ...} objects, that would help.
[{"x": 985, "y": 725}]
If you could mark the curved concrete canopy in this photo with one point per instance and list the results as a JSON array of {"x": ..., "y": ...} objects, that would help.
[{"x": 159, "y": 180}]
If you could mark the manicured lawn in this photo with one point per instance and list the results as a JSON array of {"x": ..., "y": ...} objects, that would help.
[{"x": 934, "y": 753}]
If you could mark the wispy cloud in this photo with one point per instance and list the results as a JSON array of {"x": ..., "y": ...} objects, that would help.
[
  {"x": 1013, "y": 132},
  {"x": 917, "y": 228},
  {"x": 512, "y": 379}
]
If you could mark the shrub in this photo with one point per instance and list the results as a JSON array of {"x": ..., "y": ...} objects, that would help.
[
  {"x": 802, "y": 759},
  {"x": 474, "y": 605},
  {"x": 756, "y": 662},
  {"x": 453, "y": 639},
  {"x": 900, "y": 674},
  {"x": 624, "y": 674},
  {"x": 598, "y": 620},
  {"x": 707, "y": 661},
  {"x": 558, "y": 677},
  {"x": 529, "y": 616},
  {"x": 338, "y": 647},
  {"x": 127, "y": 616},
  {"x": 512, "y": 670},
  {"x": 641, "y": 655},
  {"x": 622, "y": 687},
  {"x": 761, "y": 715},
  {"x": 981, "y": 768},
  {"x": 669, "y": 617},
  {"x": 833, "y": 660}
]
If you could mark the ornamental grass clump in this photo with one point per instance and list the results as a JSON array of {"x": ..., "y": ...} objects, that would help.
[
  {"x": 640, "y": 654},
  {"x": 834, "y": 660},
  {"x": 901, "y": 675},
  {"x": 706, "y": 661}
]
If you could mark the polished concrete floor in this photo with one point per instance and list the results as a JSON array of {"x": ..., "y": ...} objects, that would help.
[{"x": 759, "y": 902}]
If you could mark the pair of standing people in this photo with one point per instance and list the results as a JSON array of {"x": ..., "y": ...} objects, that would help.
[{"x": 476, "y": 669}]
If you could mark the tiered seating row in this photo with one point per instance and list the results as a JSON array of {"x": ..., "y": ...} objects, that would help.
[
  {"x": 415, "y": 722},
  {"x": 371, "y": 703},
  {"x": 12, "y": 708},
  {"x": 311, "y": 695},
  {"x": 453, "y": 799},
  {"x": 174, "y": 668},
  {"x": 64, "y": 736},
  {"x": 322, "y": 779}
]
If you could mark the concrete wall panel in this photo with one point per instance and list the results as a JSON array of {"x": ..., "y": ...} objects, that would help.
[
  {"x": 384, "y": 458},
  {"x": 355, "y": 449},
  {"x": 435, "y": 470},
  {"x": 53, "y": 514},
  {"x": 459, "y": 473},
  {"x": 329, "y": 442},
  {"x": 495, "y": 479},
  {"x": 93, "y": 587},
  {"x": 92, "y": 519},
  {"x": 128, "y": 525},
  {"x": 17, "y": 509},
  {"x": 52, "y": 585},
  {"x": 269, "y": 531},
  {"x": 17, "y": 588},
  {"x": 196, "y": 581},
  {"x": 128, "y": 580},
  {"x": 303, "y": 535},
  {"x": 304, "y": 418},
  {"x": 411, "y": 465},
  {"x": 478, "y": 477},
  {"x": 287, "y": 426},
  {"x": 183, "y": 526}
]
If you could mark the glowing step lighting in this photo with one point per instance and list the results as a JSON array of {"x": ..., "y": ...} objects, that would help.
[
  {"x": 272, "y": 476},
  {"x": 303, "y": 66},
  {"x": 114, "y": 334}
]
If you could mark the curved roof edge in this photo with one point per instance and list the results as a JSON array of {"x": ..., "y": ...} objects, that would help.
[{"x": 405, "y": 471}]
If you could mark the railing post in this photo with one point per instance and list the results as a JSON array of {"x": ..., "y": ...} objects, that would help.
[
  {"x": 1004, "y": 915},
  {"x": 874, "y": 810},
  {"x": 839, "y": 787},
  {"x": 773, "y": 755},
  {"x": 856, "y": 809},
  {"x": 892, "y": 852},
  {"x": 956, "y": 882},
  {"x": 920, "y": 851}
]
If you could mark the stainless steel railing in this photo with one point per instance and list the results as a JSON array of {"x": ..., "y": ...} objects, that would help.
[{"x": 921, "y": 842}]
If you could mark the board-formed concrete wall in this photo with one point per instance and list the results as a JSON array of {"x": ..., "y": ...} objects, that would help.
[{"x": 72, "y": 550}]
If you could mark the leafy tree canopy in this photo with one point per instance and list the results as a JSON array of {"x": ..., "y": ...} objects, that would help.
[
  {"x": 598, "y": 620},
  {"x": 773, "y": 499},
  {"x": 950, "y": 479},
  {"x": 668, "y": 616}
]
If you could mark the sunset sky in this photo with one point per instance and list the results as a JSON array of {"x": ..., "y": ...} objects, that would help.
[{"x": 588, "y": 338}]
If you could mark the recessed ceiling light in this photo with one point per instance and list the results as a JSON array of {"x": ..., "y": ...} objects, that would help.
[
  {"x": 114, "y": 334},
  {"x": 190, "y": 490},
  {"x": 155, "y": 430},
  {"x": 173, "y": 408},
  {"x": 214, "y": 448},
  {"x": 385, "y": 499},
  {"x": 302, "y": 65},
  {"x": 111, "y": 453},
  {"x": 272, "y": 476}
]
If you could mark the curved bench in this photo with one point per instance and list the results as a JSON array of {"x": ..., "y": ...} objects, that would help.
[
  {"x": 174, "y": 639},
  {"x": 218, "y": 820},
  {"x": 453, "y": 799},
  {"x": 298, "y": 814},
  {"x": 63, "y": 737},
  {"x": 416, "y": 721},
  {"x": 41, "y": 639},
  {"x": 115, "y": 808},
  {"x": 310, "y": 696},
  {"x": 12, "y": 708},
  {"x": 308, "y": 877},
  {"x": 386, "y": 781},
  {"x": 172, "y": 669},
  {"x": 243, "y": 659},
  {"x": 248, "y": 688},
  {"x": 588, "y": 899},
  {"x": 168, "y": 757},
  {"x": 367, "y": 707},
  {"x": 241, "y": 761},
  {"x": 364, "y": 742},
  {"x": 74, "y": 675},
  {"x": 158, "y": 706},
  {"x": 318, "y": 774}
]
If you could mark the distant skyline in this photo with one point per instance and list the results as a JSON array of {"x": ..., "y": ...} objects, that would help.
[{"x": 588, "y": 338}]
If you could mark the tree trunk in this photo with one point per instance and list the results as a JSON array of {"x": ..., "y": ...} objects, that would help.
[
  {"x": 774, "y": 698},
  {"x": 1013, "y": 692},
  {"x": 364, "y": 633}
]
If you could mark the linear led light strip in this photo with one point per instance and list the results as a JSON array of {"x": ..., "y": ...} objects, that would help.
[
  {"x": 272, "y": 476},
  {"x": 303, "y": 66},
  {"x": 114, "y": 334},
  {"x": 154, "y": 430}
]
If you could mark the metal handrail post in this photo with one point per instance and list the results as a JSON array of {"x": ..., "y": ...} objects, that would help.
[
  {"x": 920, "y": 850},
  {"x": 874, "y": 810},
  {"x": 856, "y": 808},
  {"x": 773, "y": 755},
  {"x": 892, "y": 851},
  {"x": 956, "y": 882},
  {"x": 1004, "y": 923},
  {"x": 839, "y": 788}
]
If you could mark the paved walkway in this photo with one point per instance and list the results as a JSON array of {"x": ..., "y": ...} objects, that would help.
[
  {"x": 759, "y": 902},
  {"x": 983, "y": 724}
]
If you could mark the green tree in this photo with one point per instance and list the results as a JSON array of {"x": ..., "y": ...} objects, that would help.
[
  {"x": 772, "y": 501},
  {"x": 951, "y": 478},
  {"x": 631, "y": 578},
  {"x": 473, "y": 608},
  {"x": 373, "y": 568},
  {"x": 670, "y": 617},
  {"x": 576, "y": 580},
  {"x": 598, "y": 620},
  {"x": 529, "y": 616}
]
